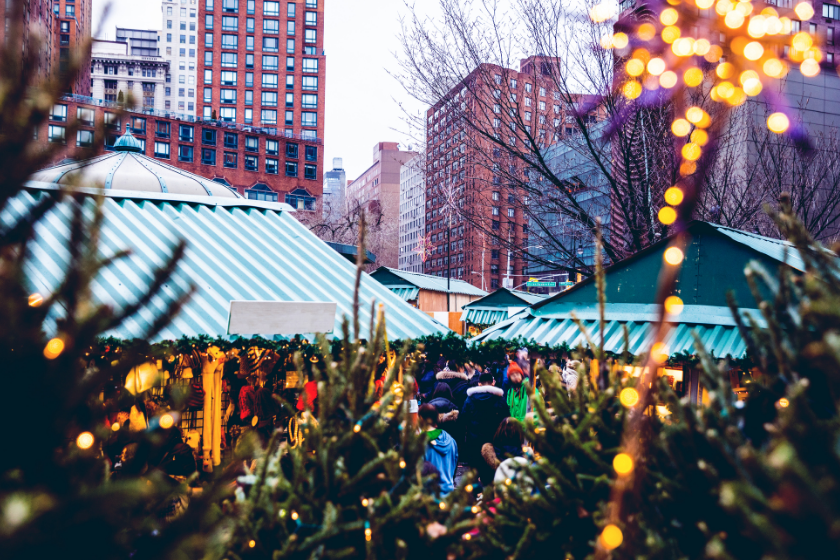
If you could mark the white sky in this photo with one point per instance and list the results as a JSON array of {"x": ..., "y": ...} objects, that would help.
[{"x": 362, "y": 99}]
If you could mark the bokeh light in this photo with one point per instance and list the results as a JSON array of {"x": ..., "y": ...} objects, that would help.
[
  {"x": 669, "y": 16},
  {"x": 804, "y": 10},
  {"x": 667, "y": 215},
  {"x": 674, "y": 196},
  {"x": 631, "y": 89},
  {"x": 611, "y": 537},
  {"x": 35, "y": 299},
  {"x": 634, "y": 67},
  {"x": 693, "y": 77},
  {"x": 623, "y": 464},
  {"x": 778, "y": 123},
  {"x": 54, "y": 348},
  {"x": 656, "y": 66},
  {"x": 673, "y": 256},
  {"x": 620, "y": 40},
  {"x": 673, "y": 305},
  {"x": 680, "y": 127},
  {"x": 700, "y": 137},
  {"x": 629, "y": 397},
  {"x": 646, "y": 32},
  {"x": 668, "y": 79},
  {"x": 85, "y": 440}
]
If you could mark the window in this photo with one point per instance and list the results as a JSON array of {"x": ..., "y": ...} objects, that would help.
[
  {"x": 208, "y": 77},
  {"x": 249, "y": 43},
  {"x": 495, "y": 225},
  {"x": 268, "y": 116},
  {"x": 251, "y": 7},
  {"x": 310, "y": 36},
  {"x": 59, "y": 113},
  {"x": 227, "y": 96},
  {"x": 252, "y": 163},
  {"x": 495, "y": 210},
  {"x": 231, "y": 140},
  {"x": 830, "y": 11},
  {"x": 290, "y": 46},
  {"x": 290, "y": 82},
  {"x": 310, "y": 172},
  {"x": 291, "y": 10},
  {"x": 230, "y": 42},
  {"x": 162, "y": 150},
  {"x": 169, "y": 10},
  {"x": 260, "y": 191},
  {"x": 291, "y": 150},
  {"x": 249, "y": 116},
  {"x": 111, "y": 121},
  {"x": 311, "y": 3},
  {"x": 249, "y": 97},
  {"x": 70, "y": 11},
  {"x": 84, "y": 138},
  {"x": 309, "y": 101},
  {"x": 229, "y": 60},
  {"x": 310, "y": 65},
  {"x": 169, "y": 37},
  {"x": 271, "y": 26},
  {"x": 311, "y": 153},
  {"x": 272, "y": 147},
  {"x": 309, "y": 83},
  {"x": 249, "y": 61},
  {"x": 290, "y": 28},
  {"x": 308, "y": 119},
  {"x": 249, "y": 79},
  {"x": 495, "y": 195},
  {"x": 271, "y": 166},
  {"x": 84, "y": 116},
  {"x": 249, "y": 25},
  {"x": 269, "y": 99},
  {"x": 311, "y": 18},
  {"x": 138, "y": 125},
  {"x": 271, "y": 44},
  {"x": 829, "y": 35},
  {"x": 291, "y": 169},
  {"x": 230, "y": 160},
  {"x": 252, "y": 144},
  {"x": 162, "y": 129},
  {"x": 208, "y": 5},
  {"x": 290, "y": 64},
  {"x": 208, "y": 40},
  {"x": 208, "y": 95},
  {"x": 290, "y": 100},
  {"x": 185, "y": 133},
  {"x": 208, "y": 156},
  {"x": 228, "y": 78},
  {"x": 208, "y": 136},
  {"x": 229, "y": 23},
  {"x": 208, "y": 59},
  {"x": 270, "y": 62},
  {"x": 510, "y": 212},
  {"x": 230, "y": 6},
  {"x": 829, "y": 57},
  {"x": 299, "y": 199},
  {"x": 271, "y": 9},
  {"x": 185, "y": 153},
  {"x": 269, "y": 80}
]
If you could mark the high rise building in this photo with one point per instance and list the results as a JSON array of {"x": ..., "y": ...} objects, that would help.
[
  {"x": 335, "y": 181},
  {"x": 377, "y": 191},
  {"x": 179, "y": 46},
  {"x": 412, "y": 215},
  {"x": 128, "y": 66},
  {"x": 74, "y": 21}
]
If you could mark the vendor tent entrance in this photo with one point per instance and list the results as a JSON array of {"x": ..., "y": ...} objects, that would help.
[
  {"x": 237, "y": 250},
  {"x": 496, "y": 307},
  {"x": 714, "y": 264}
]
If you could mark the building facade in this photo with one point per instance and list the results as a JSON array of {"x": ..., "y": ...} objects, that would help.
[
  {"x": 179, "y": 46},
  {"x": 74, "y": 19},
  {"x": 116, "y": 73},
  {"x": 377, "y": 191},
  {"x": 335, "y": 181},
  {"x": 412, "y": 215}
]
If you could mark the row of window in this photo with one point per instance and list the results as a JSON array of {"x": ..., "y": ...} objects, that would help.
[
  {"x": 270, "y": 26},
  {"x": 231, "y": 60},
  {"x": 308, "y": 83},
  {"x": 268, "y": 98},
  {"x": 269, "y": 8}
]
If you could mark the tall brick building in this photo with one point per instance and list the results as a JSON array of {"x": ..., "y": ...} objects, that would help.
[{"x": 74, "y": 19}]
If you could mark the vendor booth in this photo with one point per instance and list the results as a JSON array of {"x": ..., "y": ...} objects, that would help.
[{"x": 496, "y": 307}]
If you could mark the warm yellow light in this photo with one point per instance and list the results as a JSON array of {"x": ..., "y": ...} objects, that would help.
[
  {"x": 54, "y": 348},
  {"x": 642, "y": 54},
  {"x": 673, "y": 255},
  {"x": 757, "y": 27},
  {"x": 778, "y": 123},
  {"x": 787, "y": 25},
  {"x": 747, "y": 75},
  {"x": 671, "y": 34},
  {"x": 115, "y": 426},
  {"x": 752, "y": 87},
  {"x": 804, "y": 10},
  {"x": 753, "y": 50},
  {"x": 802, "y": 41},
  {"x": 166, "y": 421},
  {"x": 658, "y": 352},
  {"x": 725, "y": 90},
  {"x": 691, "y": 151},
  {"x": 772, "y": 25},
  {"x": 629, "y": 397},
  {"x": 734, "y": 19},
  {"x": 738, "y": 97},
  {"x": 467, "y": 536},
  {"x": 357, "y": 428},
  {"x": 667, "y": 215},
  {"x": 669, "y": 16},
  {"x": 774, "y": 67},
  {"x": 295, "y": 516},
  {"x": 700, "y": 137},
  {"x": 368, "y": 534},
  {"x": 701, "y": 47},
  {"x": 784, "y": 403},
  {"x": 714, "y": 95},
  {"x": 365, "y": 502},
  {"x": 688, "y": 168},
  {"x": 252, "y": 543},
  {"x": 442, "y": 505},
  {"x": 809, "y": 67},
  {"x": 674, "y": 196},
  {"x": 623, "y": 464},
  {"x": 723, "y": 7},
  {"x": 656, "y": 66},
  {"x": 631, "y": 89},
  {"x": 634, "y": 67},
  {"x": 646, "y": 32},
  {"x": 714, "y": 54},
  {"x": 680, "y": 127},
  {"x": 85, "y": 440},
  {"x": 683, "y": 46},
  {"x": 745, "y": 8},
  {"x": 402, "y": 464},
  {"x": 475, "y": 509},
  {"x": 606, "y": 42},
  {"x": 508, "y": 482},
  {"x": 673, "y": 305},
  {"x": 35, "y": 299},
  {"x": 704, "y": 4},
  {"x": 620, "y": 40},
  {"x": 694, "y": 114},
  {"x": 668, "y": 79},
  {"x": 693, "y": 77},
  {"x": 469, "y": 488},
  {"x": 725, "y": 70},
  {"x": 601, "y": 12},
  {"x": 611, "y": 537}
]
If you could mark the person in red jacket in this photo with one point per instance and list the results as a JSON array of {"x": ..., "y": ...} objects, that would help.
[{"x": 246, "y": 400}]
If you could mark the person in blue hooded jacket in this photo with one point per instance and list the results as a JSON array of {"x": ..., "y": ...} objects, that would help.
[{"x": 441, "y": 449}]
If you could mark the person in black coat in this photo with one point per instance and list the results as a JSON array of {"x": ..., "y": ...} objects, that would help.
[
  {"x": 448, "y": 413},
  {"x": 483, "y": 411}
]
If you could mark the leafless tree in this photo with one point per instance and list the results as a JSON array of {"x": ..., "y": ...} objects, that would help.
[{"x": 342, "y": 226}]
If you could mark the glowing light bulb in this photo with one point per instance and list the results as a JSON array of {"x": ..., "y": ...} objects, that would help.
[
  {"x": 674, "y": 196},
  {"x": 623, "y": 464},
  {"x": 85, "y": 440},
  {"x": 668, "y": 79},
  {"x": 680, "y": 127},
  {"x": 620, "y": 40},
  {"x": 683, "y": 46},
  {"x": 700, "y": 137},
  {"x": 757, "y": 27},
  {"x": 642, "y": 54},
  {"x": 673, "y": 256},
  {"x": 646, "y": 32},
  {"x": 365, "y": 502},
  {"x": 35, "y": 299},
  {"x": 671, "y": 34},
  {"x": 725, "y": 90},
  {"x": 402, "y": 464},
  {"x": 611, "y": 537},
  {"x": 54, "y": 348},
  {"x": 752, "y": 87},
  {"x": 442, "y": 505},
  {"x": 252, "y": 543},
  {"x": 295, "y": 516},
  {"x": 774, "y": 67},
  {"x": 466, "y": 536},
  {"x": 694, "y": 114},
  {"x": 166, "y": 421},
  {"x": 753, "y": 50},
  {"x": 802, "y": 41},
  {"x": 357, "y": 428},
  {"x": 673, "y": 305},
  {"x": 656, "y": 66},
  {"x": 704, "y": 4},
  {"x": 778, "y": 123},
  {"x": 115, "y": 427},
  {"x": 787, "y": 25},
  {"x": 629, "y": 397},
  {"x": 667, "y": 215},
  {"x": 809, "y": 68},
  {"x": 368, "y": 534},
  {"x": 669, "y": 16},
  {"x": 804, "y": 10},
  {"x": 784, "y": 403},
  {"x": 734, "y": 19},
  {"x": 631, "y": 89},
  {"x": 508, "y": 482},
  {"x": 725, "y": 70},
  {"x": 634, "y": 67},
  {"x": 702, "y": 47},
  {"x": 475, "y": 509},
  {"x": 693, "y": 77}
]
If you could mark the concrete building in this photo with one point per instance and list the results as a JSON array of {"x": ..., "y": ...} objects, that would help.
[
  {"x": 412, "y": 215},
  {"x": 178, "y": 45},
  {"x": 377, "y": 190},
  {"x": 335, "y": 181},
  {"x": 116, "y": 71}
]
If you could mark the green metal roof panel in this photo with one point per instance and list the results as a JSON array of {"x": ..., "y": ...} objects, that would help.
[
  {"x": 777, "y": 249},
  {"x": 409, "y": 293},
  {"x": 504, "y": 298},
  {"x": 484, "y": 316},
  {"x": 426, "y": 281},
  {"x": 234, "y": 252}
]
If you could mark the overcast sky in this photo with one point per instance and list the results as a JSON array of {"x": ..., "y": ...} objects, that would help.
[{"x": 360, "y": 39}]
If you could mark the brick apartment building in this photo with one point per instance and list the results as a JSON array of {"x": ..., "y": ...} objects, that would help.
[
  {"x": 39, "y": 23},
  {"x": 74, "y": 20},
  {"x": 466, "y": 194}
]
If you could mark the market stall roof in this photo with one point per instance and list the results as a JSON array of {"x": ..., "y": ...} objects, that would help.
[
  {"x": 396, "y": 279},
  {"x": 714, "y": 264},
  {"x": 237, "y": 249},
  {"x": 497, "y": 306}
]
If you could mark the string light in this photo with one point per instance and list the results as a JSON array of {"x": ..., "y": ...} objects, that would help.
[
  {"x": 667, "y": 215},
  {"x": 704, "y": 4},
  {"x": 725, "y": 70},
  {"x": 693, "y": 77},
  {"x": 702, "y": 47},
  {"x": 671, "y": 34},
  {"x": 252, "y": 543},
  {"x": 778, "y": 123},
  {"x": 673, "y": 256},
  {"x": 623, "y": 464},
  {"x": 734, "y": 19},
  {"x": 700, "y": 137},
  {"x": 634, "y": 67},
  {"x": 646, "y": 32},
  {"x": 694, "y": 114},
  {"x": 402, "y": 463},
  {"x": 466, "y": 536},
  {"x": 668, "y": 79},
  {"x": 669, "y": 16},
  {"x": 659, "y": 353},
  {"x": 53, "y": 349},
  {"x": 802, "y": 41},
  {"x": 692, "y": 151},
  {"x": 368, "y": 532},
  {"x": 357, "y": 428},
  {"x": 804, "y": 10},
  {"x": 295, "y": 516},
  {"x": 753, "y": 51},
  {"x": 611, "y": 537},
  {"x": 680, "y": 127},
  {"x": 656, "y": 66},
  {"x": 35, "y": 299},
  {"x": 784, "y": 403},
  {"x": 620, "y": 40},
  {"x": 508, "y": 482},
  {"x": 365, "y": 502},
  {"x": 115, "y": 427},
  {"x": 469, "y": 488},
  {"x": 673, "y": 305},
  {"x": 809, "y": 68},
  {"x": 166, "y": 421},
  {"x": 631, "y": 89},
  {"x": 442, "y": 505},
  {"x": 475, "y": 509},
  {"x": 85, "y": 440},
  {"x": 629, "y": 397},
  {"x": 600, "y": 12}
]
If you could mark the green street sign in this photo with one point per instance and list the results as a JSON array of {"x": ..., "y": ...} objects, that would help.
[{"x": 541, "y": 284}]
